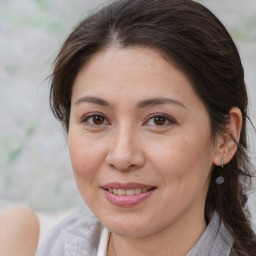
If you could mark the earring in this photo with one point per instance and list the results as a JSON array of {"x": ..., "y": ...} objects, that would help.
[{"x": 219, "y": 180}]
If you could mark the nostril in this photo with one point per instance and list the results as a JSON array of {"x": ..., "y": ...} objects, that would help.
[
  {"x": 122, "y": 167},
  {"x": 124, "y": 158}
]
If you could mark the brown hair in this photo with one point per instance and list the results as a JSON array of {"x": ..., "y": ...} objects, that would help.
[{"x": 190, "y": 36}]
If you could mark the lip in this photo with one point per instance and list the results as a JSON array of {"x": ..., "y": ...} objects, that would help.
[
  {"x": 130, "y": 185},
  {"x": 127, "y": 201}
]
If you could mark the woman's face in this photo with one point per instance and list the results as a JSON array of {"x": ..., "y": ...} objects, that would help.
[{"x": 140, "y": 142}]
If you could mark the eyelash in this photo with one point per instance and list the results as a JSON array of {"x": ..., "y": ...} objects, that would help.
[
  {"x": 93, "y": 115},
  {"x": 157, "y": 115}
]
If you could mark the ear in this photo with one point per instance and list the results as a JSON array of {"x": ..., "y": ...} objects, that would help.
[{"x": 226, "y": 144}]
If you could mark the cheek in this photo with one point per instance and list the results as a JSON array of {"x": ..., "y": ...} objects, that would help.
[
  {"x": 182, "y": 158},
  {"x": 85, "y": 157},
  {"x": 184, "y": 167}
]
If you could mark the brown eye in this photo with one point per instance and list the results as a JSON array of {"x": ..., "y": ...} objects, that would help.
[
  {"x": 98, "y": 120},
  {"x": 95, "y": 120},
  {"x": 159, "y": 120}
]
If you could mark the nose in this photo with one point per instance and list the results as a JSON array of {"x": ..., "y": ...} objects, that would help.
[{"x": 125, "y": 153}]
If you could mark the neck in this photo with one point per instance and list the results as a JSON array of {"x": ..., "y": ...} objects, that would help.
[{"x": 177, "y": 239}]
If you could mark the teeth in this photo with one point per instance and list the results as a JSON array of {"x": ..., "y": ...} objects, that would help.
[
  {"x": 127, "y": 192},
  {"x": 137, "y": 191},
  {"x": 121, "y": 192}
]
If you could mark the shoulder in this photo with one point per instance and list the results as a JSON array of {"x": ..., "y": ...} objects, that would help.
[
  {"x": 215, "y": 240},
  {"x": 19, "y": 231},
  {"x": 77, "y": 234},
  {"x": 19, "y": 216}
]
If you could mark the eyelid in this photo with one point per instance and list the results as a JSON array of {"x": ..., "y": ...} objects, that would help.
[
  {"x": 92, "y": 114},
  {"x": 171, "y": 120},
  {"x": 84, "y": 119}
]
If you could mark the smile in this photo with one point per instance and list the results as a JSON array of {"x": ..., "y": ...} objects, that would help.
[
  {"x": 128, "y": 192},
  {"x": 127, "y": 195}
]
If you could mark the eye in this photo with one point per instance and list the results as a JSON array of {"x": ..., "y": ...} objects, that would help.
[
  {"x": 95, "y": 120},
  {"x": 159, "y": 120}
]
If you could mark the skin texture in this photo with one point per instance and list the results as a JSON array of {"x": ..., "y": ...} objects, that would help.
[
  {"x": 126, "y": 143},
  {"x": 19, "y": 232}
]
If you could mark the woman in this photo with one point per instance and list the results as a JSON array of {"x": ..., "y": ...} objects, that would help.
[
  {"x": 152, "y": 96},
  {"x": 19, "y": 231}
]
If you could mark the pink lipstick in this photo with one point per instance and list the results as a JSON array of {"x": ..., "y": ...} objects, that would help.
[{"x": 127, "y": 194}]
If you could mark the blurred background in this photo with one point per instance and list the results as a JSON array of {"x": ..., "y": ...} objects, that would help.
[{"x": 34, "y": 163}]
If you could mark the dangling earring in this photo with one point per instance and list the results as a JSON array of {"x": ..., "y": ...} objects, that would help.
[{"x": 219, "y": 180}]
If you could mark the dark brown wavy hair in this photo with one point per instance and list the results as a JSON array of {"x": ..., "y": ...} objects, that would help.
[{"x": 189, "y": 35}]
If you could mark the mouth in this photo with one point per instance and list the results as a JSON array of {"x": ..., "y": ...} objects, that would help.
[{"x": 128, "y": 192}]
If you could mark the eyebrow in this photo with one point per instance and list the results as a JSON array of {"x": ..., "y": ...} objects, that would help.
[
  {"x": 141, "y": 104},
  {"x": 94, "y": 100},
  {"x": 159, "y": 101}
]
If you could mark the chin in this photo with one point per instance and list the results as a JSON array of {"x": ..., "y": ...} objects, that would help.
[
  {"x": 130, "y": 228},
  {"x": 129, "y": 231}
]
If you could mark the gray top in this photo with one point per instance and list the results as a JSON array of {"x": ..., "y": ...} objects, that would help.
[
  {"x": 79, "y": 235},
  {"x": 215, "y": 241}
]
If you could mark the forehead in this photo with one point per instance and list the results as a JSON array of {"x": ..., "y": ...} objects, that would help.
[{"x": 131, "y": 73}]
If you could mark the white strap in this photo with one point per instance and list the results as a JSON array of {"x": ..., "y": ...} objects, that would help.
[{"x": 103, "y": 245}]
